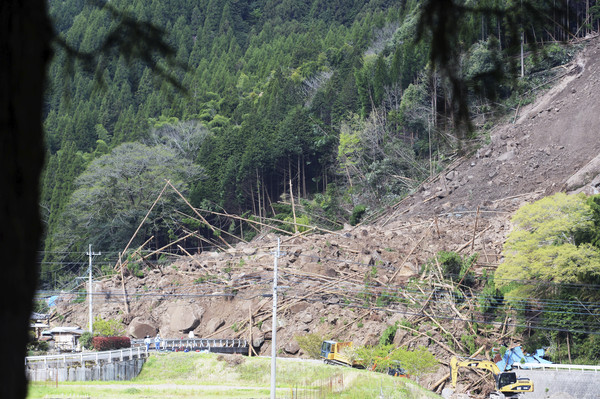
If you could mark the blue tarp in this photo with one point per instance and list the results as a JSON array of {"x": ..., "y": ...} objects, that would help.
[
  {"x": 52, "y": 300},
  {"x": 515, "y": 355}
]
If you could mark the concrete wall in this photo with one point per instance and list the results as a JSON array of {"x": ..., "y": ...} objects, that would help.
[
  {"x": 562, "y": 384},
  {"x": 114, "y": 371}
]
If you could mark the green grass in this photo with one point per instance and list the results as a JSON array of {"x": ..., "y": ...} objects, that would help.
[{"x": 181, "y": 375}]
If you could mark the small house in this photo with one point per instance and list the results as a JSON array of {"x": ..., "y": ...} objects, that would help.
[
  {"x": 39, "y": 321},
  {"x": 66, "y": 338}
]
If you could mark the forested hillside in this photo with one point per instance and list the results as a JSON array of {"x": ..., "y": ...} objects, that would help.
[{"x": 335, "y": 102}]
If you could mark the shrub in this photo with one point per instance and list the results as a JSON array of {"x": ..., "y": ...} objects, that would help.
[
  {"x": 108, "y": 328},
  {"x": 455, "y": 267},
  {"x": 310, "y": 344},
  {"x": 86, "y": 340},
  {"x": 387, "y": 336},
  {"x": 81, "y": 296},
  {"x": 110, "y": 343},
  {"x": 357, "y": 214},
  {"x": 37, "y": 346}
]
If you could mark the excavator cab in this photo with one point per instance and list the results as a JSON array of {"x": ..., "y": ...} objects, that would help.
[
  {"x": 506, "y": 378},
  {"x": 508, "y": 383},
  {"x": 332, "y": 352},
  {"x": 326, "y": 349}
]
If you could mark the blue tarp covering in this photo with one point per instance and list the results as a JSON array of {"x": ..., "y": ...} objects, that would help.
[
  {"x": 52, "y": 300},
  {"x": 515, "y": 355}
]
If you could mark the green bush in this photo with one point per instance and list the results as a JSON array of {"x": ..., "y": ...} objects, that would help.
[
  {"x": 387, "y": 336},
  {"x": 457, "y": 268},
  {"x": 41, "y": 306},
  {"x": 469, "y": 342},
  {"x": 357, "y": 214},
  {"x": 110, "y": 343},
  {"x": 86, "y": 340},
  {"x": 37, "y": 346},
  {"x": 135, "y": 269},
  {"x": 310, "y": 344},
  {"x": 81, "y": 295},
  {"x": 108, "y": 328}
]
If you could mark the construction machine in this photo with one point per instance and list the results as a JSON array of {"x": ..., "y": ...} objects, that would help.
[
  {"x": 507, "y": 384},
  {"x": 332, "y": 352},
  {"x": 396, "y": 370}
]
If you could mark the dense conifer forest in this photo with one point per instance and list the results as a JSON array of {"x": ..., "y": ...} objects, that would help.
[{"x": 338, "y": 103}]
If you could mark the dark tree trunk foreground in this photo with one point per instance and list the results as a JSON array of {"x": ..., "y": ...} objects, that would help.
[{"x": 25, "y": 36}]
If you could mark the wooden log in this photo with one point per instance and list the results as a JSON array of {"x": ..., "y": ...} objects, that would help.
[
  {"x": 441, "y": 344},
  {"x": 166, "y": 246},
  {"x": 122, "y": 265},
  {"x": 214, "y": 230},
  {"x": 145, "y": 217},
  {"x": 469, "y": 242},
  {"x": 474, "y": 230},
  {"x": 250, "y": 330},
  {"x": 223, "y": 231},
  {"x": 201, "y": 238},
  {"x": 199, "y": 264},
  {"x": 411, "y": 252},
  {"x": 293, "y": 207}
]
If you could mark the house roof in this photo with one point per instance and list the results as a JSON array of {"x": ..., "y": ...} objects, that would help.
[
  {"x": 39, "y": 316},
  {"x": 67, "y": 330}
]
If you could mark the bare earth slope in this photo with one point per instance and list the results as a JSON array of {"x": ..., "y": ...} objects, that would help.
[
  {"x": 338, "y": 282},
  {"x": 549, "y": 142}
]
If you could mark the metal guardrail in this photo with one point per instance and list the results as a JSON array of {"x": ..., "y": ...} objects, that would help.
[
  {"x": 194, "y": 343},
  {"x": 138, "y": 350},
  {"x": 109, "y": 356},
  {"x": 556, "y": 367}
]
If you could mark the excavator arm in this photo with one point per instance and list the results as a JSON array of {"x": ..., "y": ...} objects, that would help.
[
  {"x": 471, "y": 363},
  {"x": 505, "y": 382}
]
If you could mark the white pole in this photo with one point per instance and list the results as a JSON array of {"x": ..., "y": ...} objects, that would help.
[
  {"x": 90, "y": 289},
  {"x": 274, "y": 327}
]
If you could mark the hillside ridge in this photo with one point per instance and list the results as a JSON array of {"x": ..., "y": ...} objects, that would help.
[{"x": 339, "y": 284}]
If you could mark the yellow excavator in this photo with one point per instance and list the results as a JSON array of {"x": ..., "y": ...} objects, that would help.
[
  {"x": 507, "y": 384},
  {"x": 332, "y": 352}
]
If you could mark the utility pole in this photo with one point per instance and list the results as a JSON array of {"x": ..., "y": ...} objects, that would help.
[
  {"x": 274, "y": 327},
  {"x": 90, "y": 254}
]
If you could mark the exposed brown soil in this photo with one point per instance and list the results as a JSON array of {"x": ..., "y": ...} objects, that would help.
[{"x": 326, "y": 274}]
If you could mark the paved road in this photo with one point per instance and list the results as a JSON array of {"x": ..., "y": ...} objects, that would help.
[
  {"x": 183, "y": 387},
  {"x": 563, "y": 384}
]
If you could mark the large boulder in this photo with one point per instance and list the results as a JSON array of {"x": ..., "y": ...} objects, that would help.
[
  {"x": 213, "y": 325},
  {"x": 182, "y": 317},
  {"x": 584, "y": 176},
  {"x": 258, "y": 337},
  {"x": 139, "y": 328},
  {"x": 292, "y": 347}
]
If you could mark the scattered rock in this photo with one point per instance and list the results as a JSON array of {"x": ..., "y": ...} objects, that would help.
[
  {"x": 291, "y": 347},
  {"x": 248, "y": 251},
  {"x": 139, "y": 328},
  {"x": 507, "y": 156},
  {"x": 213, "y": 325},
  {"x": 306, "y": 318}
]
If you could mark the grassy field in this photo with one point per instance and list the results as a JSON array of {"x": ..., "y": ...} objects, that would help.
[{"x": 195, "y": 375}]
